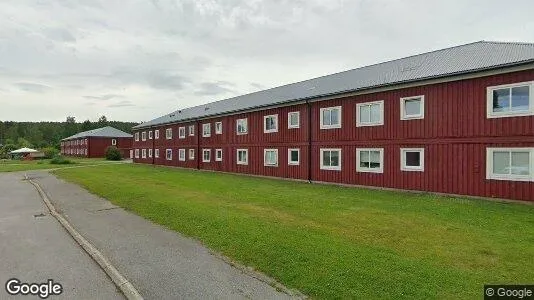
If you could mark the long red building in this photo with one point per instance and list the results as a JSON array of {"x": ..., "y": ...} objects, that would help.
[
  {"x": 93, "y": 143},
  {"x": 457, "y": 121}
]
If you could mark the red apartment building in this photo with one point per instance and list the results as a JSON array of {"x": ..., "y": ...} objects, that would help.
[
  {"x": 457, "y": 121},
  {"x": 93, "y": 143}
]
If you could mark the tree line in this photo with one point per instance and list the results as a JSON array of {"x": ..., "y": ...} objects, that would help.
[{"x": 14, "y": 135}]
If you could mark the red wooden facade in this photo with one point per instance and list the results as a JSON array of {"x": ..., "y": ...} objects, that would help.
[
  {"x": 454, "y": 133},
  {"x": 94, "y": 147}
]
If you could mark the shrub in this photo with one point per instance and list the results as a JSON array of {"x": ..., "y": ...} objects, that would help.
[
  {"x": 112, "y": 153},
  {"x": 50, "y": 152},
  {"x": 60, "y": 160}
]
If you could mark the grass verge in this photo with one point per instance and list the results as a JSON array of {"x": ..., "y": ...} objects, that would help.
[
  {"x": 330, "y": 241},
  {"x": 41, "y": 164}
]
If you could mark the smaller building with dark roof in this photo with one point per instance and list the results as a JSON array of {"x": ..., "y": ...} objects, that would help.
[{"x": 93, "y": 143}]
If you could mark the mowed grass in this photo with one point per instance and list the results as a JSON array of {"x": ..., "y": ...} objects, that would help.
[
  {"x": 330, "y": 241},
  {"x": 40, "y": 164}
]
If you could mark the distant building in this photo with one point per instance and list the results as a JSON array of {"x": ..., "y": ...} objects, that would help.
[
  {"x": 27, "y": 153},
  {"x": 93, "y": 143}
]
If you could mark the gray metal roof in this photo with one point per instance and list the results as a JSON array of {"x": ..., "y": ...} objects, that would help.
[
  {"x": 462, "y": 59},
  {"x": 107, "y": 131}
]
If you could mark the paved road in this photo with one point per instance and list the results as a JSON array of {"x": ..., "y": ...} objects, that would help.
[
  {"x": 160, "y": 263},
  {"x": 35, "y": 249}
]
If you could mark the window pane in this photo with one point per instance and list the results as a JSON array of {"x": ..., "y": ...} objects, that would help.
[
  {"x": 334, "y": 116},
  {"x": 294, "y": 156},
  {"x": 334, "y": 158},
  {"x": 374, "y": 159},
  {"x": 520, "y": 163},
  {"x": 413, "y": 159},
  {"x": 294, "y": 119},
  {"x": 326, "y": 158},
  {"x": 364, "y": 159},
  {"x": 501, "y": 162},
  {"x": 501, "y": 100},
  {"x": 520, "y": 98},
  {"x": 365, "y": 112},
  {"x": 375, "y": 113},
  {"x": 412, "y": 107},
  {"x": 326, "y": 117}
]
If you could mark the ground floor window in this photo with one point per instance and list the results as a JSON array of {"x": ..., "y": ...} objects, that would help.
[
  {"x": 156, "y": 153},
  {"x": 136, "y": 153},
  {"x": 168, "y": 154},
  {"x": 191, "y": 154},
  {"x": 516, "y": 164},
  {"x": 143, "y": 153},
  {"x": 218, "y": 155},
  {"x": 206, "y": 155},
  {"x": 270, "y": 157},
  {"x": 331, "y": 159},
  {"x": 242, "y": 156},
  {"x": 412, "y": 159},
  {"x": 149, "y": 153},
  {"x": 293, "y": 157},
  {"x": 181, "y": 154},
  {"x": 370, "y": 160}
]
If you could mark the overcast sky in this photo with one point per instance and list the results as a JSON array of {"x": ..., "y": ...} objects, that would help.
[{"x": 137, "y": 60}]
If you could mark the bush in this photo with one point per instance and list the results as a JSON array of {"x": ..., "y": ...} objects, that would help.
[
  {"x": 60, "y": 160},
  {"x": 112, "y": 153},
  {"x": 50, "y": 152}
]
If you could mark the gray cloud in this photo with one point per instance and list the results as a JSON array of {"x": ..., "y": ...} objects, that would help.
[
  {"x": 104, "y": 97},
  {"x": 124, "y": 103},
  {"x": 214, "y": 88},
  {"x": 32, "y": 87}
]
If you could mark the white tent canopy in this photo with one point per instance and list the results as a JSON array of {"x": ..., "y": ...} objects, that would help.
[{"x": 23, "y": 150}]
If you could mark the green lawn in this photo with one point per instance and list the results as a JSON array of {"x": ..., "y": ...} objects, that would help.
[
  {"x": 23, "y": 165},
  {"x": 330, "y": 241}
]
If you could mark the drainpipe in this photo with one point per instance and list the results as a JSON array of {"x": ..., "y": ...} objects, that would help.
[
  {"x": 197, "y": 155},
  {"x": 308, "y": 105}
]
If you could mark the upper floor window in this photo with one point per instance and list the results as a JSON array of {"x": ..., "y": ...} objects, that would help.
[
  {"x": 168, "y": 133},
  {"x": 370, "y": 113},
  {"x": 242, "y": 126},
  {"x": 150, "y": 135},
  {"x": 113, "y": 142},
  {"x": 206, "y": 130},
  {"x": 191, "y": 130},
  {"x": 330, "y": 117},
  {"x": 293, "y": 119},
  {"x": 156, "y": 134},
  {"x": 242, "y": 156},
  {"x": 331, "y": 159},
  {"x": 270, "y": 157},
  {"x": 181, "y": 132},
  {"x": 218, "y": 127},
  {"x": 412, "y": 159},
  {"x": 143, "y": 136},
  {"x": 515, "y": 164},
  {"x": 412, "y": 108},
  {"x": 370, "y": 160},
  {"x": 270, "y": 123},
  {"x": 510, "y": 100}
]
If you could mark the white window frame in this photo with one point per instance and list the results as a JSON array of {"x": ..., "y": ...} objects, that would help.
[
  {"x": 156, "y": 134},
  {"x": 143, "y": 136},
  {"x": 275, "y": 129},
  {"x": 237, "y": 157},
  {"x": 265, "y": 163},
  {"x": 168, "y": 134},
  {"x": 289, "y": 161},
  {"x": 321, "y": 112},
  {"x": 289, "y": 114},
  {"x": 167, "y": 151},
  {"x": 217, "y": 152},
  {"x": 191, "y": 154},
  {"x": 113, "y": 142},
  {"x": 150, "y": 135},
  {"x": 143, "y": 153},
  {"x": 181, "y": 154},
  {"x": 404, "y": 167},
  {"x": 150, "y": 153},
  {"x": 330, "y": 168},
  {"x": 204, "y": 151},
  {"x": 369, "y": 170},
  {"x": 156, "y": 153},
  {"x": 218, "y": 128},
  {"x": 206, "y": 133},
  {"x": 489, "y": 101},
  {"x": 181, "y": 132},
  {"x": 245, "y": 125},
  {"x": 377, "y": 123},
  {"x": 404, "y": 116},
  {"x": 191, "y": 130},
  {"x": 510, "y": 177}
]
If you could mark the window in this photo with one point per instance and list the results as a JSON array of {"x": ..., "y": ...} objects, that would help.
[
  {"x": 206, "y": 130},
  {"x": 330, "y": 117},
  {"x": 218, "y": 154},
  {"x": 149, "y": 153},
  {"x": 293, "y": 157},
  {"x": 412, "y": 159},
  {"x": 270, "y": 157},
  {"x": 113, "y": 142},
  {"x": 515, "y": 164},
  {"x": 143, "y": 136},
  {"x": 510, "y": 100},
  {"x": 181, "y": 153},
  {"x": 168, "y": 154},
  {"x": 218, "y": 127},
  {"x": 242, "y": 127},
  {"x": 242, "y": 156},
  {"x": 150, "y": 135},
  {"x": 370, "y": 114},
  {"x": 143, "y": 151},
  {"x": 331, "y": 159},
  {"x": 191, "y": 130},
  {"x": 181, "y": 132},
  {"x": 86, "y": 141},
  {"x": 191, "y": 154},
  {"x": 293, "y": 119},
  {"x": 137, "y": 136},
  {"x": 156, "y": 153},
  {"x": 156, "y": 134},
  {"x": 168, "y": 133},
  {"x": 206, "y": 155},
  {"x": 131, "y": 154},
  {"x": 370, "y": 160},
  {"x": 270, "y": 123},
  {"x": 412, "y": 108}
]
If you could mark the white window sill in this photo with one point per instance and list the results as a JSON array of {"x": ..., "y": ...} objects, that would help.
[
  {"x": 369, "y": 124},
  {"x": 364, "y": 170},
  {"x": 493, "y": 115},
  {"x": 270, "y": 131},
  {"x": 330, "y": 168},
  {"x": 510, "y": 177},
  {"x": 412, "y": 169}
]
